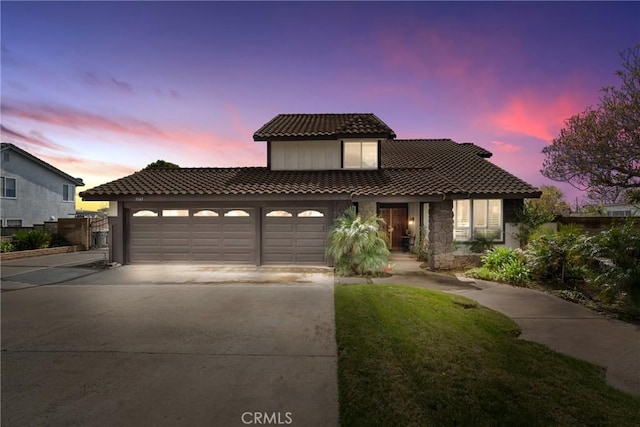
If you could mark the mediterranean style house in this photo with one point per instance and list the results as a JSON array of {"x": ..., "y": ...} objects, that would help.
[
  {"x": 317, "y": 166},
  {"x": 33, "y": 191}
]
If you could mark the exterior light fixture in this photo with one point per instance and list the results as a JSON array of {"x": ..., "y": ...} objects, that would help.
[{"x": 412, "y": 221}]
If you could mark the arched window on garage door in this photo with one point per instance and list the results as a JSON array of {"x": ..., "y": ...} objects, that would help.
[
  {"x": 237, "y": 212},
  {"x": 279, "y": 214},
  {"x": 206, "y": 212},
  {"x": 175, "y": 212},
  {"x": 310, "y": 213},
  {"x": 145, "y": 213}
]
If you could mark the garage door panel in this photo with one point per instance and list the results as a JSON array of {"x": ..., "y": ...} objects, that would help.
[
  {"x": 189, "y": 238},
  {"x": 313, "y": 244},
  {"x": 179, "y": 244},
  {"x": 242, "y": 258},
  {"x": 276, "y": 258},
  {"x": 311, "y": 228},
  {"x": 303, "y": 258},
  {"x": 212, "y": 243},
  {"x": 280, "y": 243},
  {"x": 237, "y": 244},
  {"x": 294, "y": 240},
  {"x": 279, "y": 228},
  {"x": 206, "y": 228}
]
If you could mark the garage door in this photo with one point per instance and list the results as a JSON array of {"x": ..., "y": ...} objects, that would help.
[
  {"x": 192, "y": 235},
  {"x": 293, "y": 236}
]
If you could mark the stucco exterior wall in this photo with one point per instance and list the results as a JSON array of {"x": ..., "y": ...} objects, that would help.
[{"x": 38, "y": 192}]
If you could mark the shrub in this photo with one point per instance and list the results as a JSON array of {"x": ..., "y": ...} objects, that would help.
[
  {"x": 556, "y": 255},
  {"x": 484, "y": 273},
  {"x": 58, "y": 240},
  {"x": 482, "y": 243},
  {"x": 515, "y": 272},
  {"x": 6, "y": 246},
  {"x": 498, "y": 257},
  {"x": 504, "y": 265},
  {"x": 26, "y": 240},
  {"x": 613, "y": 259},
  {"x": 357, "y": 245}
]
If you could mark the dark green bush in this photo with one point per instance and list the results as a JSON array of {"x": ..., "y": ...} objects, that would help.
[
  {"x": 482, "y": 243},
  {"x": 27, "y": 240},
  {"x": 58, "y": 240},
  {"x": 556, "y": 255},
  {"x": 613, "y": 261}
]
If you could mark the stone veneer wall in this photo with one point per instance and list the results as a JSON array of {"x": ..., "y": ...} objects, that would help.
[
  {"x": 339, "y": 206},
  {"x": 440, "y": 237}
]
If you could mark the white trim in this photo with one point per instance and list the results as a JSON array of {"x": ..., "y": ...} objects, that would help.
[
  {"x": 16, "y": 188},
  {"x": 12, "y": 219},
  {"x": 71, "y": 191}
]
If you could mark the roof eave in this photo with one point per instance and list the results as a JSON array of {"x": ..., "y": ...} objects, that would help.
[{"x": 9, "y": 146}]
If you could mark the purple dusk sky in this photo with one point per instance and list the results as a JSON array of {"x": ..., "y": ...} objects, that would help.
[{"x": 101, "y": 89}]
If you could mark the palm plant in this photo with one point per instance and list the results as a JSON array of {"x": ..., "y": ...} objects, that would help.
[{"x": 357, "y": 245}]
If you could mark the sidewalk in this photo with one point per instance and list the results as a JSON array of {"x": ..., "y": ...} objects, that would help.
[{"x": 43, "y": 270}]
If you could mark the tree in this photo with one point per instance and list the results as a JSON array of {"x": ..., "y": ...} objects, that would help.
[
  {"x": 536, "y": 212},
  {"x": 551, "y": 202},
  {"x": 161, "y": 164},
  {"x": 599, "y": 149}
]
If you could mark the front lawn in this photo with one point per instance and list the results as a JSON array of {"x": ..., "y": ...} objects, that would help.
[{"x": 415, "y": 357}]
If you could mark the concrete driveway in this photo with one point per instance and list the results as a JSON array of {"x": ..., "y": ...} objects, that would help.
[{"x": 172, "y": 345}]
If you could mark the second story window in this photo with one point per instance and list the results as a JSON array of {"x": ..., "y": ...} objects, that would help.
[
  {"x": 360, "y": 155},
  {"x": 9, "y": 188},
  {"x": 67, "y": 193}
]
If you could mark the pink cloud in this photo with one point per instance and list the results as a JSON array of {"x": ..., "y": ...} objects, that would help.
[
  {"x": 83, "y": 166},
  {"x": 77, "y": 119},
  {"x": 505, "y": 147},
  {"x": 34, "y": 138},
  {"x": 535, "y": 114},
  {"x": 144, "y": 132}
]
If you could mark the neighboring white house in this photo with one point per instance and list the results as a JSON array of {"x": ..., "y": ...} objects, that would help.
[
  {"x": 621, "y": 210},
  {"x": 33, "y": 191},
  {"x": 614, "y": 209}
]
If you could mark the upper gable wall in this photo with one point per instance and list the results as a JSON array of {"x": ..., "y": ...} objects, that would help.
[
  {"x": 39, "y": 191},
  {"x": 309, "y": 154},
  {"x": 305, "y": 155}
]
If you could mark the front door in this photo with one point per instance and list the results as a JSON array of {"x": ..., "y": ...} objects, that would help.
[{"x": 395, "y": 226}]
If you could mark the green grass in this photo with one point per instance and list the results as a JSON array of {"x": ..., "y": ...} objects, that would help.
[{"x": 415, "y": 357}]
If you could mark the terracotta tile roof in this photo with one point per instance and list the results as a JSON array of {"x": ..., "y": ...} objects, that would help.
[
  {"x": 323, "y": 126},
  {"x": 462, "y": 164},
  {"x": 255, "y": 180},
  {"x": 409, "y": 168}
]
